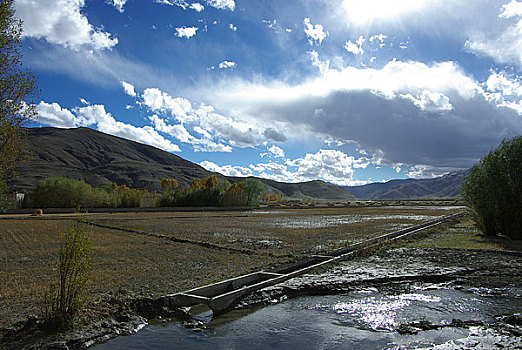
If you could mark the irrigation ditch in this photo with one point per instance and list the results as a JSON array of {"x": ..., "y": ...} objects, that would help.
[{"x": 223, "y": 296}]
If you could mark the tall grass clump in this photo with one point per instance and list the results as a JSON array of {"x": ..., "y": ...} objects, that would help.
[
  {"x": 493, "y": 190},
  {"x": 66, "y": 297}
]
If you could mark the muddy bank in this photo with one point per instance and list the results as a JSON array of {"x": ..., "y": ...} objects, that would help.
[{"x": 403, "y": 268}]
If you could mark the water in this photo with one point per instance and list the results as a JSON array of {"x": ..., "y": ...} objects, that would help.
[{"x": 358, "y": 320}]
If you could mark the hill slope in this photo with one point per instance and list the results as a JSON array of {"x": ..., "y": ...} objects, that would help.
[
  {"x": 444, "y": 186},
  {"x": 99, "y": 158}
]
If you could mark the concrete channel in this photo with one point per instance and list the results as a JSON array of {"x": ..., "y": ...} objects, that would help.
[{"x": 223, "y": 296}]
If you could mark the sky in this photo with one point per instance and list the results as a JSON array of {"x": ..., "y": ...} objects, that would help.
[{"x": 346, "y": 91}]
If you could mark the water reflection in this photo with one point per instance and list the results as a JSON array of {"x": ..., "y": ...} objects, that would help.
[{"x": 359, "y": 320}]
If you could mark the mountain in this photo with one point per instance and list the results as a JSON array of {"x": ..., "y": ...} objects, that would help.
[
  {"x": 444, "y": 186},
  {"x": 98, "y": 158}
]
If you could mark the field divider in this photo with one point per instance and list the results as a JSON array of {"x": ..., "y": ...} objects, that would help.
[
  {"x": 223, "y": 296},
  {"x": 168, "y": 237}
]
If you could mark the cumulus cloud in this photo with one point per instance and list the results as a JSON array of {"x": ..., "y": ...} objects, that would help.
[
  {"x": 208, "y": 122},
  {"x": 362, "y": 12},
  {"x": 222, "y": 4},
  {"x": 95, "y": 115},
  {"x": 274, "y": 135},
  {"x": 227, "y": 64},
  {"x": 54, "y": 115},
  {"x": 118, "y": 4},
  {"x": 159, "y": 101},
  {"x": 446, "y": 121},
  {"x": 331, "y": 165},
  {"x": 128, "y": 88},
  {"x": 505, "y": 91},
  {"x": 356, "y": 47},
  {"x": 61, "y": 22},
  {"x": 274, "y": 151},
  {"x": 227, "y": 170},
  {"x": 186, "y": 32},
  {"x": 178, "y": 131},
  {"x": 430, "y": 101},
  {"x": 506, "y": 47},
  {"x": 197, "y": 7},
  {"x": 314, "y": 32}
]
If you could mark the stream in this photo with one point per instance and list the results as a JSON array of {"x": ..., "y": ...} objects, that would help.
[{"x": 365, "y": 319}]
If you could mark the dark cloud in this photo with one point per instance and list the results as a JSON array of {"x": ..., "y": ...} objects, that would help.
[
  {"x": 274, "y": 135},
  {"x": 404, "y": 132}
]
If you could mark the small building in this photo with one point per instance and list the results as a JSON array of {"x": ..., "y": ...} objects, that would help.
[{"x": 16, "y": 199}]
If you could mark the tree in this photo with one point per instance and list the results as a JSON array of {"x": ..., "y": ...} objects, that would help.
[
  {"x": 18, "y": 89},
  {"x": 493, "y": 190},
  {"x": 254, "y": 189}
]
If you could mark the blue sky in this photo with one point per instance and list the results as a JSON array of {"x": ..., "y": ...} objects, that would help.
[{"x": 345, "y": 91}]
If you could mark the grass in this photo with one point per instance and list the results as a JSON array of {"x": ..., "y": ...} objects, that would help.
[{"x": 463, "y": 235}]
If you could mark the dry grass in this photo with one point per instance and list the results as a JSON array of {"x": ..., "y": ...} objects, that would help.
[{"x": 150, "y": 265}]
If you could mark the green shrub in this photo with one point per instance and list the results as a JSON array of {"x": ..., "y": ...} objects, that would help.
[
  {"x": 493, "y": 190},
  {"x": 60, "y": 192},
  {"x": 67, "y": 297}
]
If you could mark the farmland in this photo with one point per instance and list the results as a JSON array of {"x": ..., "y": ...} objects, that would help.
[{"x": 151, "y": 253}]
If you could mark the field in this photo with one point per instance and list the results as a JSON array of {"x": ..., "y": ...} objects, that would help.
[{"x": 157, "y": 253}]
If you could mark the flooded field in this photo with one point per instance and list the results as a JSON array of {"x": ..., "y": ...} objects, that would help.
[
  {"x": 210, "y": 246},
  {"x": 279, "y": 232}
]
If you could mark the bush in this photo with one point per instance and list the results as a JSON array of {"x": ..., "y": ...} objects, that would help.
[
  {"x": 67, "y": 297},
  {"x": 210, "y": 192},
  {"x": 493, "y": 190},
  {"x": 59, "y": 192}
]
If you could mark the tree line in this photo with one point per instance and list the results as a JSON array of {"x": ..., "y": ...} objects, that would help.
[{"x": 60, "y": 192}]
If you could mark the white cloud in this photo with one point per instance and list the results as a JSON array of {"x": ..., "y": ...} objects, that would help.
[
  {"x": 513, "y": 9},
  {"x": 54, "y": 115},
  {"x": 227, "y": 64},
  {"x": 411, "y": 112},
  {"x": 182, "y": 3},
  {"x": 222, "y": 4},
  {"x": 197, "y": 7},
  {"x": 158, "y": 101},
  {"x": 331, "y": 165},
  {"x": 177, "y": 131},
  {"x": 276, "y": 151},
  {"x": 380, "y": 37},
  {"x": 314, "y": 32},
  {"x": 232, "y": 27},
  {"x": 128, "y": 88},
  {"x": 506, "y": 47},
  {"x": 227, "y": 170},
  {"x": 276, "y": 171},
  {"x": 504, "y": 91},
  {"x": 118, "y": 4},
  {"x": 237, "y": 133},
  {"x": 362, "y": 12},
  {"x": 430, "y": 101},
  {"x": 355, "y": 48},
  {"x": 61, "y": 22},
  {"x": 95, "y": 115},
  {"x": 186, "y": 32},
  {"x": 422, "y": 171}
]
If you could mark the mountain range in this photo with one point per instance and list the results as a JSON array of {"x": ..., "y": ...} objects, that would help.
[
  {"x": 98, "y": 158},
  {"x": 440, "y": 187}
]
